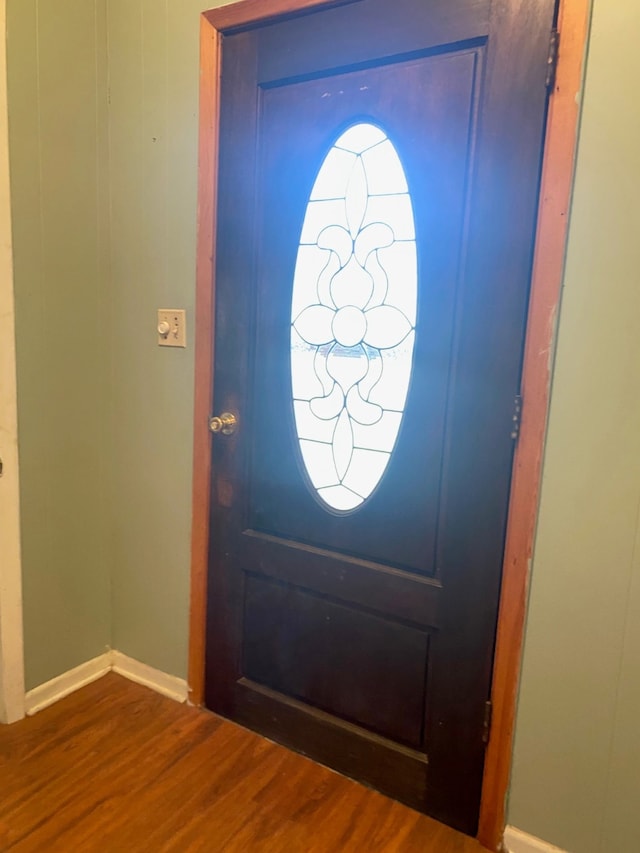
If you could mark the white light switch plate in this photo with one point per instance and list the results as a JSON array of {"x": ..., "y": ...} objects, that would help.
[{"x": 172, "y": 327}]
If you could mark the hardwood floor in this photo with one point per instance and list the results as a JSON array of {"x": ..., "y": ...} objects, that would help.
[{"x": 116, "y": 768}]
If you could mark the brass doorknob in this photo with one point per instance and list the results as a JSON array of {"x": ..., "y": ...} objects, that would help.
[{"x": 225, "y": 424}]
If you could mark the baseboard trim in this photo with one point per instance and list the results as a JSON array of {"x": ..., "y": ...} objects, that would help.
[
  {"x": 62, "y": 685},
  {"x": 168, "y": 685},
  {"x": 111, "y": 661},
  {"x": 516, "y": 841}
]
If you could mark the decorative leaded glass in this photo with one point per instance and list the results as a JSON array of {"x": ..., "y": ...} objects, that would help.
[{"x": 353, "y": 317}]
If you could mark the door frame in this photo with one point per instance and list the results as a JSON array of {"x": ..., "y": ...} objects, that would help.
[
  {"x": 548, "y": 269},
  {"x": 12, "y": 707}
]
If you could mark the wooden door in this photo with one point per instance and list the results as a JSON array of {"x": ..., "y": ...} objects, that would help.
[{"x": 360, "y": 630}]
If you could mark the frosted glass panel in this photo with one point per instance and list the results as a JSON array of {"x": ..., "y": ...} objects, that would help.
[
  {"x": 365, "y": 471},
  {"x": 384, "y": 170},
  {"x": 318, "y": 460},
  {"x": 400, "y": 265},
  {"x": 340, "y": 498},
  {"x": 313, "y": 265},
  {"x": 396, "y": 211},
  {"x": 333, "y": 178},
  {"x": 353, "y": 317},
  {"x": 319, "y": 215},
  {"x": 360, "y": 137},
  {"x": 312, "y": 427},
  {"x": 304, "y": 381},
  {"x": 391, "y": 389}
]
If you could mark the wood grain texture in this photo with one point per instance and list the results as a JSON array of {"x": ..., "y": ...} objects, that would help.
[
  {"x": 252, "y": 11},
  {"x": 207, "y": 202},
  {"x": 116, "y": 767},
  {"x": 555, "y": 198}
]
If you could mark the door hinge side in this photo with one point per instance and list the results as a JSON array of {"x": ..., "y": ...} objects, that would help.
[
  {"x": 552, "y": 59},
  {"x": 516, "y": 418},
  {"x": 486, "y": 725}
]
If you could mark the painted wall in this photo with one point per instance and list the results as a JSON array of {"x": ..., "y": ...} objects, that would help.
[
  {"x": 105, "y": 415},
  {"x": 59, "y": 160},
  {"x": 153, "y": 61},
  {"x": 576, "y": 774}
]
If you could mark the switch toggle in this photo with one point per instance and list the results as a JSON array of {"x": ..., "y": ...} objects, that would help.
[{"x": 172, "y": 327}]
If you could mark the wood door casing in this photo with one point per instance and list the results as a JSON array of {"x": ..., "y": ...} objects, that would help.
[{"x": 400, "y": 589}]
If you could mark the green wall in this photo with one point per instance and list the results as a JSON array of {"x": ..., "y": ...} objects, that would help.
[
  {"x": 103, "y": 101},
  {"x": 58, "y": 135},
  {"x": 576, "y": 773},
  {"x": 153, "y": 61}
]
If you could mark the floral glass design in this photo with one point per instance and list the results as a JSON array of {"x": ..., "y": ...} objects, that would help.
[{"x": 353, "y": 317}]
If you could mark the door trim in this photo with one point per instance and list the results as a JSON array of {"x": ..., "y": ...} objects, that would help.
[
  {"x": 551, "y": 238},
  {"x": 11, "y": 637},
  {"x": 546, "y": 284}
]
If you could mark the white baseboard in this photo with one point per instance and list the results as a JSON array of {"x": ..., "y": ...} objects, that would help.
[
  {"x": 167, "y": 685},
  {"x": 52, "y": 691},
  {"x": 46, "y": 694},
  {"x": 517, "y": 841}
]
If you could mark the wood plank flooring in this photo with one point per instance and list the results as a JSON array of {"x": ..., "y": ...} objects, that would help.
[{"x": 115, "y": 768}]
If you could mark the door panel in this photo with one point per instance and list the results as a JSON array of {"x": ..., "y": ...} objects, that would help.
[
  {"x": 352, "y": 663},
  {"x": 365, "y": 639},
  {"x": 436, "y": 108},
  {"x": 361, "y": 31}
]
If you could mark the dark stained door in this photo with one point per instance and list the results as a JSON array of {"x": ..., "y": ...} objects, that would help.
[{"x": 364, "y": 638}]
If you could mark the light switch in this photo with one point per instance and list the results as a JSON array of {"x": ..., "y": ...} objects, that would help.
[{"x": 172, "y": 327}]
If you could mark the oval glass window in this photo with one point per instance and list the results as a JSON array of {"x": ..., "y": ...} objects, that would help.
[{"x": 353, "y": 317}]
